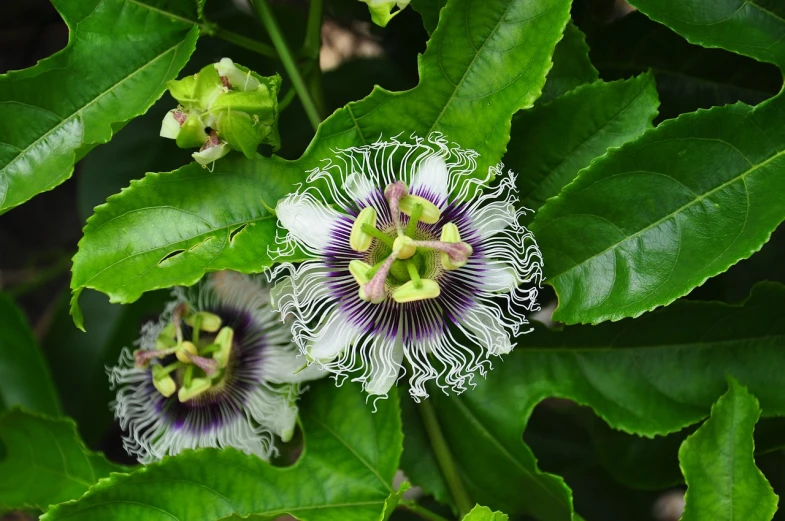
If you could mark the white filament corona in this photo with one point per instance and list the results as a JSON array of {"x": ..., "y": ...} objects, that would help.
[
  {"x": 445, "y": 338},
  {"x": 256, "y": 401}
]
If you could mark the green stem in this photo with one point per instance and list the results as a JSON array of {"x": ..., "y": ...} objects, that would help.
[
  {"x": 271, "y": 24},
  {"x": 421, "y": 511},
  {"x": 443, "y": 456},
  {"x": 41, "y": 277},
  {"x": 243, "y": 41},
  {"x": 412, "y": 269},
  {"x": 313, "y": 31}
]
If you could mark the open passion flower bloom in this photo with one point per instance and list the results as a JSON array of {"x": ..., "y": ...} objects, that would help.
[
  {"x": 412, "y": 259},
  {"x": 217, "y": 370}
]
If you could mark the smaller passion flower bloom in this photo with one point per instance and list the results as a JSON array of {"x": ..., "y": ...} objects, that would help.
[
  {"x": 217, "y": 370},
  {"x": 412, "y": 259}
]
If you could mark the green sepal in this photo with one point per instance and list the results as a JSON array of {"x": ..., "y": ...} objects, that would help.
[
  {"x": 183, "y": 91},
  {"x": 192, "y": 134},
  {"x": 240, "y": 131},
  {"x": 208, "y": 86}
]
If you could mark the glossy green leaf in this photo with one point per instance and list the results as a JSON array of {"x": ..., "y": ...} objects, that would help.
[
  {"x": 650, "y": 221},
  {"x": 24, "y": 376},
  {"x": 344, "y": 474},
  {"x": 171, "y": 228},
  {"x": 689, "y": 77},
  {"x": 119, "y": 56},
  {"x": 651, "y": 376},
  {"x": 571, "y": 65},
  {"x": 723, "y": 482},
  {"x": 44, "y": 462},
  {"x": 755, "y": 28},
  {"x": 573, "y": 130},
  {"x": 429, "y": 10},
  {"x": 479, "y": 513}
]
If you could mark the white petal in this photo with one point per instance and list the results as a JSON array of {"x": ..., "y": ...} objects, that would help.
[
  {"x": 332, "y": 337},
  {"x": 499, "y": 277},
  {"x": 286, "y": 365},
  {"x": 275, "y": 409},
  {"x": 492, "y": 218},
  {"x": 358, "y": 187},
  {"x": 307, "y": 220},
  {"x": 432, "y": 175},
  {"x": 484, "y": 324},
  {"x": 386, "y": 356}
]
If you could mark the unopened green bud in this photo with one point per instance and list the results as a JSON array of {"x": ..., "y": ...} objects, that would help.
[
  {"x": 358, "y": 239},
  {"x": 196, "y": 387},
  {"x": 209, "y": 322},
  {"x": 409, "y": 292},
  {"x": 430, "y": 212},
  {"x": 224, "y": 339}
]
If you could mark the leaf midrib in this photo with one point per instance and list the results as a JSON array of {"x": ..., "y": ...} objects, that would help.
[{"x": 670, "y": 215}]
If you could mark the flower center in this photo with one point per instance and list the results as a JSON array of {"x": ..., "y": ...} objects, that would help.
[
  {"x": 198, "y": 364},
  {"x": 406, "y": 261}
]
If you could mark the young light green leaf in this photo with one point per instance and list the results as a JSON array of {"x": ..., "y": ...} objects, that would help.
[
  {"x": 392, "y": 501},
  {"x": 24, "y": 376},
  {"x": 44, "y": 462},
  {"x": 650, "y": 221},
  {"x": 479, "y": 513},
  {"x": 573, "y": 130},
  {"x": 119, "y": 56},
  {"x": 651, "y": 376},
  {"x": 723, "y": 482},
  {"x": 179, "y": 225},
  {"x": 571, "y": 65},
  {"x": 754, "y": 28},
  {"x": 345, "y": 472}
]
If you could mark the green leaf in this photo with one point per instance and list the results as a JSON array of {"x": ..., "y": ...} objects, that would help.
[
  {"x": 392, "y": 501},
  {"x": 571, "y": 65},
  {"x": 479, "y": 513},
  {"x": 429, "y": 10},
  {"x": 24, "y": 377},
  {"x": 177, "y": 226},
  {"x": 571, "y": 131},
  {"x": 651, "y": 376},
  {"x": 688, "y": 76},
  {"x": 753, "y": 28},
  {"x": 723, "y": 482},
  {"x": 44, "y": 462},
  {"x": 119, "y": 56},
  {"x": 345, "y": 472},
  {"x": 660, "y": 215}
]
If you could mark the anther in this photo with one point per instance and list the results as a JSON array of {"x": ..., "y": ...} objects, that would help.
[
  {"x": 224, "y": 339},
  {"x": 429, "y": 214},
  {"x": 451, "y": 235},
  {"x": 194, "y": 388},
  {"x": 359, "y": 239},
  {"x": 209, "y": 322},
  {"x": 359, "y": 271},
  {"x": 409, "y": 292}
]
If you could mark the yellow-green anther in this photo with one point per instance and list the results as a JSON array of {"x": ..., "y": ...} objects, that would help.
[
  {"x": 194, "y": 388},
  {"x": 451, "y": 234},
  {"x": 360, "y": 271},
  {"x": 165, "y": 385},
  {"x": 184, "y": 349},
  {"x": 224, "y": 339},
  {"x": 409, "y": 292},
  {"x": 430, "y": 212},
  {"x": 207, "y": 321},
  {"x": 404, "y": 246},
  {"x": 359, "y": 240}
]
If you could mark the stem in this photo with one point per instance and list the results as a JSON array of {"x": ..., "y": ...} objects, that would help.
[
  {"x": 313, "y": 31},
  {"x": 285, "y": 55},
  {"x": 412, "y": 269},
  {"x": 421, "y": 510},
  {"x": 443, "y": 456},
  {"x": 244, "y": 42},
  {"x": 41, "y": 277}
]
